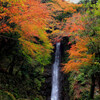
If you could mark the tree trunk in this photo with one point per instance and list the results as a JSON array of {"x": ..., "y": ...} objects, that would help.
[
  {"x": 11, "y": 69},
  {"x": 19, "y": 68},
  {"x": 92, "y": 87},
  {"x": 12, "y": 66}
]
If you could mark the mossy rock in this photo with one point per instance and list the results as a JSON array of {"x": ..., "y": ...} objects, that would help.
[
  {"x": 40, "y": 97},
  {"x": 5, "y": 95}
]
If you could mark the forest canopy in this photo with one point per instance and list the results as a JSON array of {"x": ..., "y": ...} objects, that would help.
[{"x": 29, "y": 30}]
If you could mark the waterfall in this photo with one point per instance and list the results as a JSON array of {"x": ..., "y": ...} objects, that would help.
[{"x": 55, "y": 74}]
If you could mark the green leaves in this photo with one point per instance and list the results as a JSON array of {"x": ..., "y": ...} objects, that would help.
[
  {"x": 84, "y": 54},
  {"x": 5, "y": 95},
  {"x": 97, "y": 11}
]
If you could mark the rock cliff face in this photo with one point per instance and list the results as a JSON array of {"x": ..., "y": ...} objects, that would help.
[
  {"x": 64, "y": 83},
  {"x": 46, "y": 88}
]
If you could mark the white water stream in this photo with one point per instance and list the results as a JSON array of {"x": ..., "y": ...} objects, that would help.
[{"x": 55, "y": 74}]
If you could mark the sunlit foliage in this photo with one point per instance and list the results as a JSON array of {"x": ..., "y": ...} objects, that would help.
[{"x": 29, "y": 19}]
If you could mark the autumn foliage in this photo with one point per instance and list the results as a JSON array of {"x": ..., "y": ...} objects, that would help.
[
  {"x": 24, "y": 47},
  {"x": 78, "y": 55},
  {"x": 28, "y": 31},
  {"x": 83, "y": 62},
  {"x": 82, "y": 40},
  {"x": 59, "y": 10},
  {"x": 28, "y": 18}
]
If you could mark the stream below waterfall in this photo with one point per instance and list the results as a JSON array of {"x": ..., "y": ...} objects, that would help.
[{"x": 55, "y": 74}]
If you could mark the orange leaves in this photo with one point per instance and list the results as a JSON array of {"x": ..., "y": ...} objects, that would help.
[
  {"x": 29, "y": 15},
  {"x": 78, "y": 55},
  {"x": 59, "y": 10},
  {"x": 71, "y": 65},
  {"x": 4, "y": 28},
  {"x": 74, "y": 24},
  {"x": 60, "y": 5},
  {"x": 70, "y": 7},
  {"x": 28, "y": 19}
]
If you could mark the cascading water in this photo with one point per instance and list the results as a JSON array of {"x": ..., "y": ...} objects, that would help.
[{"x": 55, "y": 74}]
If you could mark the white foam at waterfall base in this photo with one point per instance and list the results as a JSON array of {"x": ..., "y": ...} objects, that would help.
[{"x": 55, "y": 74}]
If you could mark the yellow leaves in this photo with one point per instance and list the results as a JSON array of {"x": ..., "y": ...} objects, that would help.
[
  {"x": 40, "y": 53},
  {"x": 14, "y": 1},
  {"x": 97, "y": 63},
  {"x": 55, "y": 32},
  {"x": 28, "y": 47},
  {"x": 97, "y": 11},
  {"x": 29, "y": 18},
  {"x": 1, "y": 9}
]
